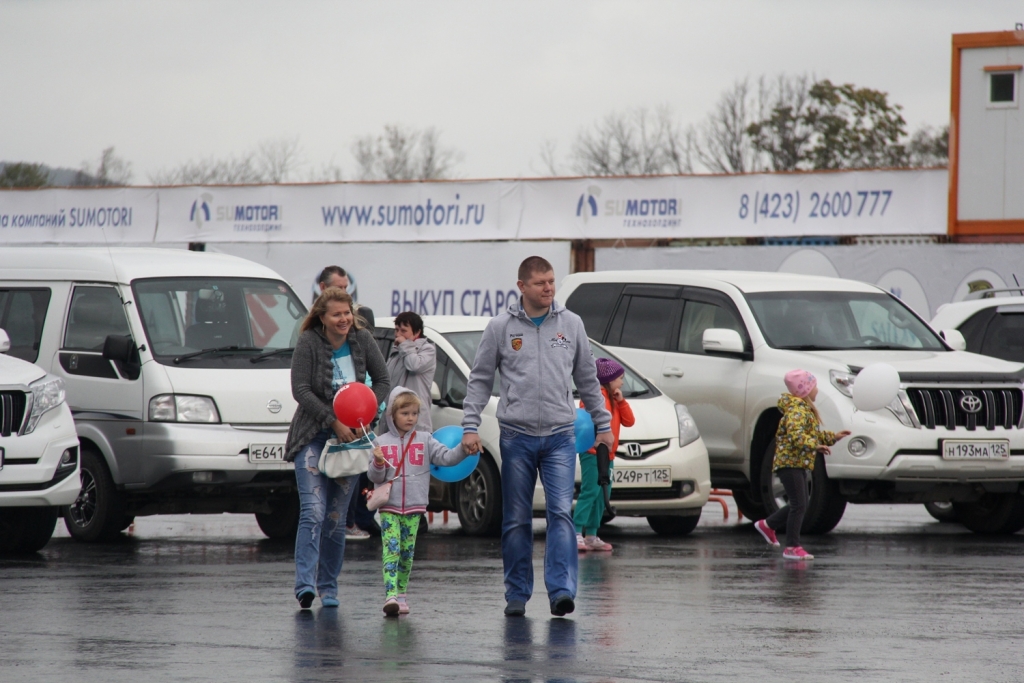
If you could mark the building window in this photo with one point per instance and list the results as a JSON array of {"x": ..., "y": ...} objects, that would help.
[{"x": 1002, "y": 87}]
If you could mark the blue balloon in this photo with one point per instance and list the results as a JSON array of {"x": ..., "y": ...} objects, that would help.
[
  {"x": 451, "y": 436},
  {"x": 585, "y": 432}
]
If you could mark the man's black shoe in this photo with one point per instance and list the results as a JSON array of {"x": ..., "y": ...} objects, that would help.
[
  {"x": 516, "y": 608},
  {"x": 562, "y": 605},
  {"x": 306, "y": 599}
]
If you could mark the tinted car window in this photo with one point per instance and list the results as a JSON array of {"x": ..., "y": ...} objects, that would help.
[
  {"x": 974, "y": 328},
  {"x": 1004, "y": 337},
  {"x": 699, "y": 316},
  {"x": 648, "y": 323},
  {"x": 22, "y": 312},
  {"x": 594, "y": 303},
  {"x": 96, "y": 313}
]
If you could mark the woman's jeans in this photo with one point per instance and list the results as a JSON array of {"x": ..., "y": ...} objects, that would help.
[
  {"x": 522, "y": 457},
  {"x": 794, "y": 479},
  {"x": 323, "y": 505}
]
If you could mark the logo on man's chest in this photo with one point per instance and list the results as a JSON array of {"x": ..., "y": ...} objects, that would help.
[
  {"x": 517, "y": 341},
  {"x": 559, "y": 341}
]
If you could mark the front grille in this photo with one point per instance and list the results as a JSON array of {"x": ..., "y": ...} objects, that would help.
[
  {"x": 998, "y": 407},
  {"x": 663, "y": 493},
  {"x": 12, "y": 411},
  {"x": 640, "y": 450}
]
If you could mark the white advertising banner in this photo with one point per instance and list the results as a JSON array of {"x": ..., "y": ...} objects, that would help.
[
  {"x": 340, "y": 212},
  {"x": 64, "y": 215},
  {"x": 909, "y": 202},
  {"x": 432, "y": 279},
  {"x": 751, "y": 205}
]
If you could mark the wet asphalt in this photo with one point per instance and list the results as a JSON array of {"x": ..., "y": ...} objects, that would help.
[{"x": 892, "y": 596}]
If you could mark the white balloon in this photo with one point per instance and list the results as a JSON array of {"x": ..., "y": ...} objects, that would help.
[{"x": 876, "y": 386}]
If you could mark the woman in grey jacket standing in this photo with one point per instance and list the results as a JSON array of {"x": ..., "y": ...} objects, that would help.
[{"x": 332, "y": 350}]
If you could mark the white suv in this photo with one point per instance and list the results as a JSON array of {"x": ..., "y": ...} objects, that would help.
[
  {"x": 720, "y": 342},
  {"x": 38, "y": 451}
]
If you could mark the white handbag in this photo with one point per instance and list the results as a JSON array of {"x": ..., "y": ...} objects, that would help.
[{"x": 345, "y": 459}]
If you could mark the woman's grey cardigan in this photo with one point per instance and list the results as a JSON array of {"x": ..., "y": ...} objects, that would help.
[{"x": 312, "y": 373}]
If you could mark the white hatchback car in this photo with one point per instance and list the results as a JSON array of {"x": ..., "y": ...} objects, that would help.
[
  {"x": 990, "y": 324},
  {"x": 39, "y": 464},
  {"x": 661, "y": 467}
]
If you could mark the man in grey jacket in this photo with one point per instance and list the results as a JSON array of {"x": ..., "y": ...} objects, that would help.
[
  {"x": 412, "y": 362},
  {"x": 539, "y": 348}
]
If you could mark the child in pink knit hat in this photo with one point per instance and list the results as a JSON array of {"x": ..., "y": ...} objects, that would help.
[{"x": 798, "y": 442}]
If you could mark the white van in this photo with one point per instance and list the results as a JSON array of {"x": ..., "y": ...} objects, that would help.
[
  {"x": 38, "y": 445},
  {"x": 720, "y": 342},
  {"x": 176, "y": 368}
]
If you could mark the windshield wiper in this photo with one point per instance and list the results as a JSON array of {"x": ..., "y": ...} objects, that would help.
[
  {"x": 638, "y": 392},
  {"x": 809, "y": 347},
  {"x": 219, "y": 349},
  {"x": 879, "y": 347},
  {"x": 268, "y": 354}
]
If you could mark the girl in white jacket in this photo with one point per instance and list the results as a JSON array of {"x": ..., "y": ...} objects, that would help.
[{"x": 403, "y": 456}]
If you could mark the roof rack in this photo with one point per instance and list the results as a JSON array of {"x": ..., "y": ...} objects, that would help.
[{"x": 984, "y": 293}]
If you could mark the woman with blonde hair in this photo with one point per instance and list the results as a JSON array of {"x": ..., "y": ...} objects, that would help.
[{"x": 333, "y": 349}]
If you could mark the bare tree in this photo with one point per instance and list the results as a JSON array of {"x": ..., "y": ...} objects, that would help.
[
  {"x": 781, "y": 132},
  {"x": 111, "y": 170},
  {"x": 272, "y": 161},
  {"x": 402, "y": 153},
  {"x": 630, "y": 143},
  {"x": 721, "y": 143}
]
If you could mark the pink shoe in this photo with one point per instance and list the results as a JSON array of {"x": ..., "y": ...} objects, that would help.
[
  {"x": 581, "y": 543},
  {"x": 766, "y": 531},
  {"x": 391, "y": 607},
  {"x": 403, "y": 604},
  {"x": 797, "y": 553},
  {"x": 595, "y": 543}
]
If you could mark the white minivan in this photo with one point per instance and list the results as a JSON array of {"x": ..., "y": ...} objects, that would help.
[{"x": 176, "y": 368}]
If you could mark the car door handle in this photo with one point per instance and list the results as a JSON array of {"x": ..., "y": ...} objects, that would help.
[{"x": 672, "y": 372}]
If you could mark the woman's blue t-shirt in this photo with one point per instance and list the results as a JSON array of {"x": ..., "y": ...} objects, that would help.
[{"x": 344, "y": 369}]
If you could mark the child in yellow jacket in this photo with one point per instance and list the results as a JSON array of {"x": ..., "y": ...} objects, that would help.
[{"x": 798, "y": 441}]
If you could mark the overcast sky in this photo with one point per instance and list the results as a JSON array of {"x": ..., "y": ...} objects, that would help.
[{"x": 165, "y": 82}]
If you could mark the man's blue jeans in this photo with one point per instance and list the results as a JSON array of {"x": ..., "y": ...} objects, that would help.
[
  {"x": 522, "y": 457},
  {"x": 323, "y": 505}
]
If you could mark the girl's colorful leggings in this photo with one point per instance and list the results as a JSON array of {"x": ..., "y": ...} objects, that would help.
[{"x": 398, "y": 538}]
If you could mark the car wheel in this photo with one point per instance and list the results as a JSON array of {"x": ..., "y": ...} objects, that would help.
[
  {"x": 943, "y": 512},
  {"x": 673, "y": 525},
  {"x": 12, "y": 528},
  {"x": 282, "y": 522},
  {"x": 37, "y": 528},
  {"x": 479, "y": 500},
  {"x": 993, "y": 513},
  {"x": 825, "y": 504},
  {"x": 98, "y": 512}
]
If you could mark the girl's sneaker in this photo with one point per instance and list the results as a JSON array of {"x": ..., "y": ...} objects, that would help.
[
  {"x": 767, "y": 532},
  {"x": 391, "y": 607},
  {"x": 595, "y": 543},
  {"x": 403, "y": 604},
  {"x": 581, "y": 543},
  {"x": 797, "y": 553}
]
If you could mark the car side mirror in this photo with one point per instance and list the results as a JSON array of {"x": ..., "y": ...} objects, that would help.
[
  {"x": 435, "y": 392},
  {"x": 723, "y": 342},
  {"x": 122, "y": 351},
  {"x": 955, "y": 339},
  {"x": 5, "y": 342}
]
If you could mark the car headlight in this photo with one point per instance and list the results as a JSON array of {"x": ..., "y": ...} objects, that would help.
[
  {"x": 903, "y": 409},
  {"x": 688, "y": 432},
  {"x": 47, "y": 394},
  {"x": 843, "y": 381},
  {"x": 183, "y": 408}
]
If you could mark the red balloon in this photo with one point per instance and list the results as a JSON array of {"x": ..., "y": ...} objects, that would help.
[{"x": 355, "y": 406}]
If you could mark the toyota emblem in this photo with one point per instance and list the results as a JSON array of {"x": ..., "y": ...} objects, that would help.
[
  {"x": 634, "y": 450},
  {"x": 274, "y": 406},
  {"x": 970, "y": 403}
]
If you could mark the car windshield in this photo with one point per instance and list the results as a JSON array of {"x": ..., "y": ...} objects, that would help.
[
  {"x": 812, "y": 321},
  {"x": 233, "y": 319},
  {"x": 633, "y": 385}
]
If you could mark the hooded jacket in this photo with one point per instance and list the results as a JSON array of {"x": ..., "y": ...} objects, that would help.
[
  {"x": 411, "y": 490},
  {"x": 412, "y": 364},
  {"x": 538, "y": 366},
  {"x": 799, "y": 435}
]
